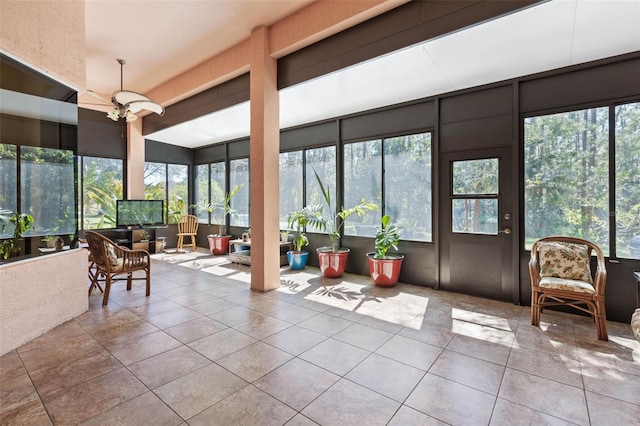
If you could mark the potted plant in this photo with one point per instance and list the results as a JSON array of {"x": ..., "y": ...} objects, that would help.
[
  {"x": 50, "y": 241},
  {"x": 297, "y": 221},
  {"x": 384, "y": 267},
  {"x": 21, "y": 223},
  {"x": 219, "y": 243},
  {"x": 333, "y": 259}
]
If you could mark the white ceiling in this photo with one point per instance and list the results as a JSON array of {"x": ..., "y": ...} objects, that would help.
[
  {"x": 183, "y": 33},
  {"x": 548, "y": 36}
]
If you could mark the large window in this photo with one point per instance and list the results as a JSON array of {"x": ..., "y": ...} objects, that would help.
[
  {"x": 100, "y": 186},
  {"x": 291, "y": 184},
  {"x": 322, "y": 161},
  {"x": 363, "y": 180},
  {"x": 239, "y": 175},
  {"x": 8, "y": 184},
  {"x": 168, "y": 182},
  {"x": 627, "y": 179},
  {"x": 395, "y": 174},
  {"x": 47, "y": 190},
  {"x": 201, "y": 191},
  {"x": 566, "y": 176}
]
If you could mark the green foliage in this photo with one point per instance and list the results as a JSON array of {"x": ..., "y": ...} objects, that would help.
[
  {"x": 297, "y": 221},
  {"x": 21, "y": 223},
  {"x": 220, "y": 208},
  {"x": 334, "y": 223},
  {"x": 387, "y": 236}
]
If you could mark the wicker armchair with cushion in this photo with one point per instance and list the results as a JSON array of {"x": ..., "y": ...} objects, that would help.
[
  {"x": 114, "y": 263},
  {"x": 561, "y": 275}
]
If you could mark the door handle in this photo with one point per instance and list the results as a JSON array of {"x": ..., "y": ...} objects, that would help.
[{"x": 506, "y": 230}]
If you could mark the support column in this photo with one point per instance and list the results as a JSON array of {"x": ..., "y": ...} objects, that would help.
[
  {"x": 135, "y": 160},
  {"x": 264, "y": 164}
]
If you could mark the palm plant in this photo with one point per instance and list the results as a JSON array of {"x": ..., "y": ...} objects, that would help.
[
  {"x": 334, "y": 222},
  {"x": 297, "y": 221},
  {"x": 220, "y": 209},
  {"x": 388, "y": 236},
  {"x": 21, "y": 223}
]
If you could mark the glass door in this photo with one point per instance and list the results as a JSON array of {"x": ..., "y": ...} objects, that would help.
[{"x": 476, "y": 223}]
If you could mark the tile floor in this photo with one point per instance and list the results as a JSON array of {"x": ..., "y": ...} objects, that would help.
[{"x": 203, "y": 349}]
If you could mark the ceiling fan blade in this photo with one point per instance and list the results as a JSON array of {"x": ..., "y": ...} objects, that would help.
[
  {"x": 137, "y": 106},
  {"x": 124, "y": 97}
]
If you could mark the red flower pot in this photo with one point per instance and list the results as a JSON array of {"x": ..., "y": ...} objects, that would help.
[
  {"x": 332, "y": 263},
  {"x": 219, "y": 244},
  {"x": 385, "y": 272}
]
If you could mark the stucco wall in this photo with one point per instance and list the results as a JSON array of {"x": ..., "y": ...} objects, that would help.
[
  {"x": 40, "y": 293},
  {"x": 47, "y": 35}
]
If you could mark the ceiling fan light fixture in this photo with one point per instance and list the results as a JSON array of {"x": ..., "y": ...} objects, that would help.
[
  {"x": 128, "y": 103},
  {"x": 130, "y": 117}
]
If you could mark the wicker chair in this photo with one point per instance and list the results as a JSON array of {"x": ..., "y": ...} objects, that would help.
[
  {"x": 112, "y": 261},
  {"x": 560, "y": 275},
  {"x": 187, "y": 227}
]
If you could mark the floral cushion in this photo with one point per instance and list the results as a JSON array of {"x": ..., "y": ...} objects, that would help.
[
  {"x": 566, "y": 284},
  {"x": 111, "y": 254},
  {"x": 564, "y": 260},
  {"x": 635, "y": 323}
]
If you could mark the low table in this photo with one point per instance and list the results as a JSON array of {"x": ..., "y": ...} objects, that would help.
[{"x": 244, "y": 256}]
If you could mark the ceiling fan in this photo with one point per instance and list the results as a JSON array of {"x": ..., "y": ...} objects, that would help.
[{"x": 128, "y": 103}]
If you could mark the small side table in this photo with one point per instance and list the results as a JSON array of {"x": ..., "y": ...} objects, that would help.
[{"x": 637, "y": 277}]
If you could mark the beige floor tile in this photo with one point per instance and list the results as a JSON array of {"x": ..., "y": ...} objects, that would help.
[
  {"x": 300, "y": 420},
  {"x": 31, "y": 413},
  {"x": 362, "y": 336},
  {"x": 349, "y": 403},
  {"x": 409, "y": 416},
  {"x": 293, "y": 314},
  {"x": 254, "y": 361},
  {"x": 429, "y": 333},
  {"x": 167, "y": 366},
  {"x": 261, "y": 326},
  {"x": 73, "y": 370},
  {"x": 170, "y": 318},
  {"x": 194, "y": 393},
  {"x": 469, "y": 371},
  {"x": 193, "y": 298},
  {"x": 335, "y": 356},
  {"x": 451, "y": 402},
  {"x": 54, "y": 354},
  {"x": 558, "y": 367},
  {"x": 88, "y": 399},
  {"x": 496, "y": 353},
  {"x": 141, "y": 410},
  {"x": 411, "y": 352},
  {"x": 11, "y": 366},
  {"x": 142, "y": 347},
  {"x": 234, "y": 316},
  {"x": 297, "y": 383},
  {"x": 386, "y": 376},
  {"x": 196, "y": 329},
  {"x": 295, "y": 340},
  {"x": 222, "y": 343},
  {"x": 548, "y": 396},
  {"x": 507, "y": 413},
  {"x": 265, "y": 410},
  {"x": 325, "y": 324},
  {"x": 15, "y": 392},
  {"x": 213, "y": 305},
  {"x": 612, "y": 383},
  {"x": 609, "y": 411}
]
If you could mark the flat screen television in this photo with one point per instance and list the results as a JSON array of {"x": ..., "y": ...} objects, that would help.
[{"x": 138, "y": 213}]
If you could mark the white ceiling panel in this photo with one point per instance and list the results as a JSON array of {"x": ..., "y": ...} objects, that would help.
[{"x": 550, "y": 35}]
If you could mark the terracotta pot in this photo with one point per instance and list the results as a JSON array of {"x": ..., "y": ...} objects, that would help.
[
  {"x": 297, "y": 259},
  {"x": 332, "y": 263},
  {"x": 385, "y": 272},
  {"x": 219, "y": 244}
]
